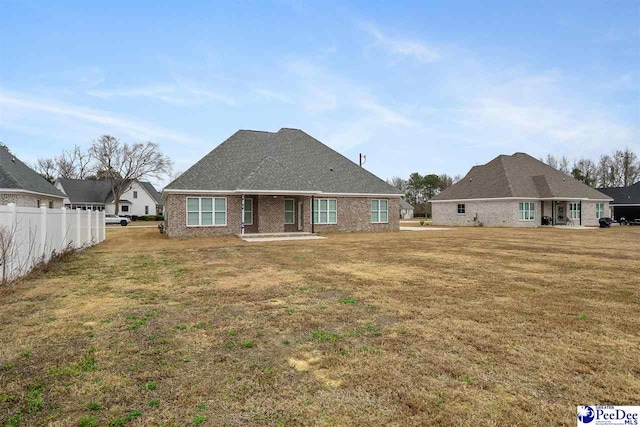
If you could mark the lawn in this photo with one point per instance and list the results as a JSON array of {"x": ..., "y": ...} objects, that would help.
[{"x": 474, "y": 326}]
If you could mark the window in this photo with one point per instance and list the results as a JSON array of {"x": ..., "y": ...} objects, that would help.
[
  {"x": 599, "y": 210},
  {"x": 146, "y": 210},
  {"x": 574, "y": 210},
  {"x": 289, "y": 211},
  {"x": 325, "y": 211},
  {"x": 206, "y": 211},
  {"x": 135, "y": 194},
  {"x": 248, "y": 211},
  {"x": 461, "y": 208},
  {"x": 123, "y": 208},
  {"x": 38, "y": 203},
  {"x": 379, "y": 211},
  {"x": 51, "y": 205},
  {"x": 526, "y": 211}
]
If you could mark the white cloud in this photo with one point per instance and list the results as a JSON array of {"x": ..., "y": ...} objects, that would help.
[
  {"x": 275, "y": 96},
  {"x": 399, "y": 46},
  {"x": 36, "y": 108},
  {"x": 183, "y": 93}
]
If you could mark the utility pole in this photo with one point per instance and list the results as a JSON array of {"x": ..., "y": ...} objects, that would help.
[{"x": 363, "y": 159}]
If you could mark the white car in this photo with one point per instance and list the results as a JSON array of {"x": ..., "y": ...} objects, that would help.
[{"x": 115, "y": 219}]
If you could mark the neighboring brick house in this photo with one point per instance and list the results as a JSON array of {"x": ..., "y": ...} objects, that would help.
[
  {"x": 288, "y": 181},
  {"x": 140, "y": 199},
  {"x": 519, "y": 191},
  {"x": 23, "y": 186}
]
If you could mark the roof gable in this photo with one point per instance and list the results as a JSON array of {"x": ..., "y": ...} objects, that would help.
[
  {"x": 86, "y": 190},
  {"x": 15, "y": 175},
  {"x": 287, "y": 160},
  {"x": 521, "y": 176}
]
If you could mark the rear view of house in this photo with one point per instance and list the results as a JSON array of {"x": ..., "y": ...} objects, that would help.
[
  {"x": 519, "y": 191},
  {"x": 287, "y": 181},
  {"x": 22, "y": 186}
]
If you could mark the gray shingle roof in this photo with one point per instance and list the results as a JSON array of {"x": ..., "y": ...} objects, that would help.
[
  {"x": 86, "y": 190},
  {"x": 519, "y": 175},
  {"x": 624, "y": 195},
  {"x": 98, "y": 191},
  {"x": 16, "y": 175},
  {"x": 152, "y": 190},
  {"x": 404, "y": 204},
  {"x": 287, "y": 160}
]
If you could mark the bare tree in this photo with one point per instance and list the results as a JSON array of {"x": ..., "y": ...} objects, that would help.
[
  {"x": 585, "y": 170},
  {"x": 74, "y": 164},
  {"x": 446, "y": 181},
  {"x": 563, "y": 165},
  {"x": 398, "y": 183},
  {"x": 627, "y": 167},
  {"x": 46, "y": 168},
  {"x": 551, "y": 161},
  {"x": 123, "y": 163}
]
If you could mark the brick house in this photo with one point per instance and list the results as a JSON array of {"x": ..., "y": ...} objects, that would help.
[
  {"x": 519, "y": 191},
  {"x": 21, "y": 185},
  {"x": 287, "y": 181}
]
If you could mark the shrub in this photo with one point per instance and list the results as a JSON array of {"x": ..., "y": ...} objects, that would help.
[
  {"x": 134, "y": 217},
  {"x": 421, "y": 221},
  {"x": 159, "y": 218}
]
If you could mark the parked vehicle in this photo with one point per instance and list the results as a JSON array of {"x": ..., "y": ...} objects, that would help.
[{"x": 115, "y": 219}]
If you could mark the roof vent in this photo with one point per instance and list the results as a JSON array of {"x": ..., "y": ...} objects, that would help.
[
  {"x": 470, "y": 179},
  {"x": 13, "y": 159},
  {"x": 331, "y": 169}
]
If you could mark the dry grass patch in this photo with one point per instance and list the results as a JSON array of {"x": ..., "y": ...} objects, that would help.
[{"x": 477, "y": 326}]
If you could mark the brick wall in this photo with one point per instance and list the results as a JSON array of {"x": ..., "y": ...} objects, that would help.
[
  {"x": 504, "y": 213},
  {"x": 27, "y": 200},
  {"x": 268, "y": 216}
]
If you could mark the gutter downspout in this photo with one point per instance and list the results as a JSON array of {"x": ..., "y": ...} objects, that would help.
[{"x": 580, "y": 212}]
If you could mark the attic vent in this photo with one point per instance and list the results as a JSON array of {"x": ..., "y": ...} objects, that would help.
[{"x": 331, "y": 169}]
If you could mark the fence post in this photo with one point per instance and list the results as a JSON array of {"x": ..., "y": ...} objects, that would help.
[
  {"x": 78, "y": 228},
  {"x": 97, "y": 238},
  {"x": 88, "y": 227},
  {"x": 43, "y": 232},
  {"x": 103, "y": 226},
  {"x": 63, "y": 216}
]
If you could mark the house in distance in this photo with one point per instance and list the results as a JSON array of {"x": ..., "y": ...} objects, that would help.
[{"x": 519, "y": 191}]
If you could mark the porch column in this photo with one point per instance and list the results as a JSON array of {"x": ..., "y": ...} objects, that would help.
[
  {"x": 580, "y": 212},
  {"x": 242, "y": 231},
  {"x": 313, "y": 223},
  {"x": 553, "y": 212}
]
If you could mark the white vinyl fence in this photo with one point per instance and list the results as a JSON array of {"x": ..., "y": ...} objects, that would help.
[{"x": 29, "y": 236}]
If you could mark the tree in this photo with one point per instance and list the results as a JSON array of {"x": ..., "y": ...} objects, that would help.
[
  {"x": 415, "y": 188},
  {"x": 586, "y": 171},
  {"x": 124, "y": 163},
  {"x": 445, "y": 182},
  {"x": 563, "y": 165},
  {"x": 398, "y": 183},
  {"x": 551, "y": 161},
  {"x": 46, "y": 168},
  {"x": 431, "y": 185},
  {"x": 74, "y": 164},
  {"x": 627, "y": 166}
]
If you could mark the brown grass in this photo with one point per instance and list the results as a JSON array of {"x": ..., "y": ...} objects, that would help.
[{"x": 471, "y": 326}]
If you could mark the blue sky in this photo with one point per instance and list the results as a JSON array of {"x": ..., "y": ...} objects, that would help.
[{"x": 417, "y": 86}]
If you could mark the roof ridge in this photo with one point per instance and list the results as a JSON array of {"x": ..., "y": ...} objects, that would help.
[{"x": 506, "y": 174}]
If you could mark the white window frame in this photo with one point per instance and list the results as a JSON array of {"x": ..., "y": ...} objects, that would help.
[
  {"x": 574, "y": 213},
  {"x": 464, "y": 208},
  {"x": 122, "y": 208},
  {"x": 316, "y": 210},
  {"x": 292, "y": 211},
  {"x": 213, "y": 212},
  {"x": 526, "y": 211},
  {"x": 371, "y": 211},
  {"x": 599, "y": 210},
  {"x": 246, "y": 199}
]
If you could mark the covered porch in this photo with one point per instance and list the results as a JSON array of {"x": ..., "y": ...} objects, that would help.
[
  {"x": 275, "y": 214},
  {"x": 561, "y": 212}
]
